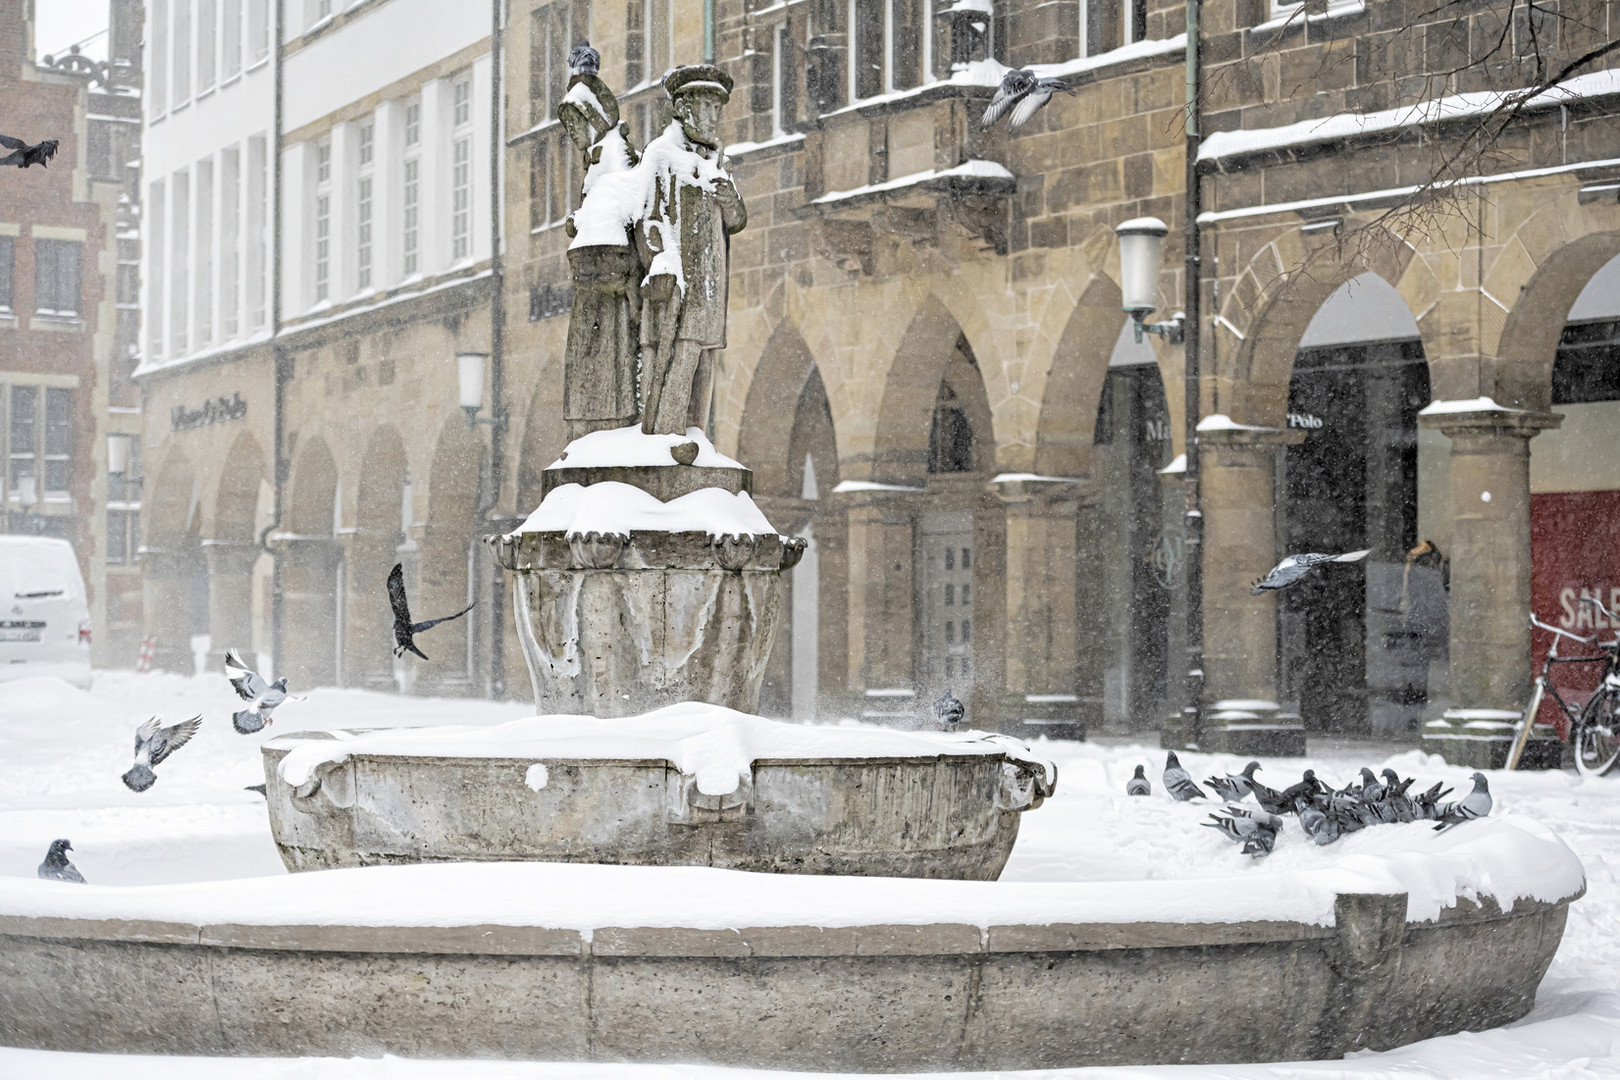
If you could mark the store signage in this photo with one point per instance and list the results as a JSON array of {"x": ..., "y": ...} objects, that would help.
[
  {"x": 1157, "y": 430},
  {"x": 1577, "y": 614},
  {"x": 1304, "y": 420},
  {"x": 214, "y": 411}
]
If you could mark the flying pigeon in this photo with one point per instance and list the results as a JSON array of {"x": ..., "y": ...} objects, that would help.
[
  {"x": 1138, "y": 784},
  {"x": 1178, "y": 783},
  {"x": 1023, "y": 93},
  {"x": 584, "y": 60},
  {"x": 948, "y": 711},
  {"x": 1295, "y": 567},
  {"x": 1475, "y": 804},
  {"x": 262, "y": 697},
  {"x": 154, "y": 743},
  {"x": 405, "y": 631},
  {"x": 1234, "y": 788},
  {"x": 56, "y": 866},
  {"x": 22, "y": 155}
]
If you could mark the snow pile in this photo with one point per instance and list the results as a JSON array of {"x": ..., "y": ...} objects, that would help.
[
  {"x": 975, "y": 168},
  {"x": 1466, "y": 405},
  {"x": 621, "y": 509},
  {"x": 716, "y": 745},
  {"x": 630, "y": 447}
]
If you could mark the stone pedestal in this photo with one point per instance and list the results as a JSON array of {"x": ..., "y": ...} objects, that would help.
[{"x": 1238, "y": 470}]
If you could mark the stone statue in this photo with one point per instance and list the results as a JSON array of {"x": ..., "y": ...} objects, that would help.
[
  {"x": 683, "y": 239},
  {"x": 599, "y": 367}
]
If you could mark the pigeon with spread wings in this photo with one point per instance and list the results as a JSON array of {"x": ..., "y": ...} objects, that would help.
[
  {"x": 262, "y": 697},
  {"x": 22, "y": 155},
  {"x": 1296, "y": 567},
  {"x": 153, "y": 744},
  {"x": 1021, "y": 93},
  {"x": 405, "y": 631}
]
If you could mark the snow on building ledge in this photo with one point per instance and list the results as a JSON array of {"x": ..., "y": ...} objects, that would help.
[
  {"x": 991, "y": 173},
  {"x": 1469, "y": 405},
  {"x": 848, "y": 487},
  {"x": 1222, "y": 422}
]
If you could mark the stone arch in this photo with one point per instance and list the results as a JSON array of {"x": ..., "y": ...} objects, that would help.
[
  {"x": 311, "y": 571},
  {"x": 173, "y": 570},
  {"x": 1068, "y": 418},
  {"x": 236, "y": 509},
  {"x": 785, "y": 384},
  {"x": 374, "y": 545},
  {"x": 1520, "y": 376},
  {"x": 233, "y": 550},
  {"x": 911, "y": 392},
  {"x": 445, "y": 581}
]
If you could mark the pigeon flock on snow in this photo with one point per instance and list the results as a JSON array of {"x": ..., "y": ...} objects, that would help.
[
  {"x": 1325, "y": 814},
  {"x": 154, "y": 742}
]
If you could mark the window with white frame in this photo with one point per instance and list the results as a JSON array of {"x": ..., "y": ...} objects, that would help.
[
  {"x": 461, "y": 168},
  {"x": 258, "y": 30},
  {"x": 258, "y": 216},
  {"x": 230, "y": 242},
  {"x": 230, "y": 36},
  {"x": 411, "y": 191},
  {"x": 658, "y": 35},
  {"x": 124, "y": 508},
  {"x": 57, "y": 265},
  {"x": 891, "y": 46},
  {"x": 1281, "y": 10},
  {"x": 179, "y": 276},
  {"x": 182, "y": 52},
  {"x": 205, "y": 252},
  {"x": 207, "y": 43},
  {"x": 159, "y": 74},
  {"x": 155, "y": 228},
  {"x": 8, "y": 254},
  {"x": 363, "y": 203},
  {"x": 39, "y": 444},
  {"x": 323, "y": 220},
  {"x": 1105, "y": 25}
]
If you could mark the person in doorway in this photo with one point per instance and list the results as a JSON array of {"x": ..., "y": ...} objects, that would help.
[{"x": 1425, "y": 613}]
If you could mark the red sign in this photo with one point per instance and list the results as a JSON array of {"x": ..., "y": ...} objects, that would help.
[{"x": 1574, "y": 553}]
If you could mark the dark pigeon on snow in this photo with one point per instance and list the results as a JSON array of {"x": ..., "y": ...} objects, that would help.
[
  {"x": 1308, "y": 788},
  {"x": 1138, "y": 784},
  {"x": 1178, "y": 782},
  {"x": 1296, "y": 567},
  {"x": 1256, "y": 830},
  {"x": 948, "y": 711},
  {"x": 405, "y": 631},
  {"x": 1021, "y": 93},
  {"x": 1317, "y": 825},
  {"x": 154, "y": 743},
  {"x": 584, "y": 60},
  {"x": 262, "y": 697},
  {"x": 56, "y": 866},
  {"x": 22, "y": 155},
  {"x": 1475, "y": 804}
]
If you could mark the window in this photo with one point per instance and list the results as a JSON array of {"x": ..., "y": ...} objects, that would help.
[
  {"x": 32, "y": 443},
  {"x": 323, "y": 220},
  {"x": 182, "y": 52},
  {"x": 230, "y": 241},
  {"x": 363, "y": 207},
  {"x": 258, "y": 29},
  {"x": 1107, "y": 24},
  {"x": 411, "y": 190},
  {"x": 1281, "y": 9},
  {"x": 124, "y": 508},
  {"x": 231, "y": 38},
  {"x": 461, "y": 170},
  {"x": 205, "y": 252},
  {"x": 656, "y": 38},
  {"x": 22, "y": 473},
  {"x": 207, "y": 43},
  {"x": 179, "y": 277},
  {"x": 8, "y": 251},
  {"x": 258, "y": 215},
  {"x": 891, "y": 46},
  {"x": 156, "y": 219},
  {"x": 159, "y": 86},
  {"x": 413, "y": 124},
  {"x": 56, "y": 277},
  {"x": 58, "y": 442}
]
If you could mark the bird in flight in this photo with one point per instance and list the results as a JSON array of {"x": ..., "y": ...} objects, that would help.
[
  {"x": 56, "y": 866},
  {"x": 262, "y": 697},
  {"x": 584, "y": 60},
  {"x": 1295, "y": 567},
  {"x": 22, "y": 155},
  {"x": 405, "y": 631},
  {"x": 1022, "y": 93},
  {"x": 154, "y": 743}
]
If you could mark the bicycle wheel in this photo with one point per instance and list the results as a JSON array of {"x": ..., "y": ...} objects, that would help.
[{"x": 1597, "y": 736}]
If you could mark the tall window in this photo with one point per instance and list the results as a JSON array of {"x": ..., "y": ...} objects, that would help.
[
  {"x": 258, "y": 29},
  {"x": 411, "y": 193},
  {"x": 787, "y": 62},
  {"x": 323, "y": 220},
  {"x": 231, "y": 37},
  {"x": 1108, "y": 24},
  {"x": 56, "y": 277},
  {"x": 207, "y": 43},
  {"x": 58, "y": 443},
  {"x": 22, "y": 472},
  {"x": 40, "y": 458},
  {"x": 156, "y": 221},
  {"x": 362, "y": 206},
  {"x": 461, "y": 169},
  {"x": 657, "y": 35},
  {"x": 891, "y": 46},
  {"x": 159, "y": 76},
  {"x": 8, "y": 252},
  {"x": 230, "y": 241},
  {"x": 205, "y": 251},
  {"x": 124, "y": 509},
  {"x": 179, "y": 278},
  {"x": 258, "y": 210},
  {"x": 182, "y": 52}
]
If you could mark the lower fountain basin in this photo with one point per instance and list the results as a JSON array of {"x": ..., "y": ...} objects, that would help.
[{"x": 690, "y": 785}]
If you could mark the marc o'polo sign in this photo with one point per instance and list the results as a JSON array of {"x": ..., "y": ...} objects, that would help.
[{"x": 213, "y": 411}]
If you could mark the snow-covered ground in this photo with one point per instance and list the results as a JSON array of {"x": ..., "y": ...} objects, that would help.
[{"x": 62, "y": 750}]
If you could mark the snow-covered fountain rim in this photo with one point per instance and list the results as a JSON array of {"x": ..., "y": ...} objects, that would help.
[
  {"x": 1504, "y": 861},
  {"x": 715, "y": 744}
]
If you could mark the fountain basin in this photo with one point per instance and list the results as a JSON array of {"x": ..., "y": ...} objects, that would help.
[
  {"x": 694, "y": 784},
  {"x": 690, "y": 964}
]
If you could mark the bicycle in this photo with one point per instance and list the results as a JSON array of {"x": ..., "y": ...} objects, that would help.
[{"x": 1594, "y": 728}]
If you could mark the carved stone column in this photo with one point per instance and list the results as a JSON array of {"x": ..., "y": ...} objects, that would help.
[
  {"x": 1490, "y": 580},
  {"x": 230, "y": 598},
  {"x": 1238, "y": 475}
]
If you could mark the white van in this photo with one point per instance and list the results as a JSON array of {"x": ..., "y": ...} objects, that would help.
[{"x": 44, "y": 619}]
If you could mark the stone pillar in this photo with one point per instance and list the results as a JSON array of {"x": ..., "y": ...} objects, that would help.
[
  {"x": 441, "y": 589},
  {"x": 1490, "y": 581},
  {"x": 310, "y": 610},
  {"x": 1241, "y": 715},
  {"x": 368, "y": 621},
  {"x": 230, "y": 598},
  {"x": 1048, "y": 690},
  {"x": 789, "y": 517},
  {"x": 166, "y": 579},
  {"x": 881, "y": 648}
]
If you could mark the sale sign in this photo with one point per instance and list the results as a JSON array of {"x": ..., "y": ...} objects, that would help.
[{"x": 1574, "y": 556}]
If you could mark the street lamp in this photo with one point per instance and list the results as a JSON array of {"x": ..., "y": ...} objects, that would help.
[
  {"x": 118, "y": 454},
  {"x": 1141, "y": 242},
  {"x": 470, "y": 369}
]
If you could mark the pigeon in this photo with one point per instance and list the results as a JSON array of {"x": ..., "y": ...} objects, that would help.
[
  {"x": 1256, "y": 830},
  {"x": 1428, "y": 803},
  {"x": 22, "y": 155},
  {"x": 948, "y": 711},
  {"x": 1317, "y": 825},
  {"x": 1371, "y": 790},
  {"x": 154, "y": 743},
  {"x": 584, "y": 60},
  {"x": 56, "y": 866},
  {"x": 1138, "y": 784},
  {"x": 405, "y": 631},
  {"x": 256, "y": 787},
  {"x": 1270, "y": 799},
  {"x": 1234, "y": 788},
  {"x": 1475, "y": 804},
  {"x": 1295, "y": 567},
  {"x": 1308, "y": 787},
  {"x": 262, "y": 697},
  {"x": 1178, "y": 783},
  {"x": 1022, "y": 93}
]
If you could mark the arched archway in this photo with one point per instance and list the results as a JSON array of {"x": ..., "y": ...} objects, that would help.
[
  {"x": 384, "y": 511},
  {"x": 173, "y": 569},
  {"x": 233, "y": 552},
  {"x": 312, "y": 571},
  {"x": 932, "y": 346},
  {"x": 446, "y": 573},
  {"x": 1080, "y": 362}
]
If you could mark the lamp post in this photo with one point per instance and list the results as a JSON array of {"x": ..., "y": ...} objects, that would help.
[
  {"x": 1140, "y": 244},
  {"x": 471, "y": 367}
]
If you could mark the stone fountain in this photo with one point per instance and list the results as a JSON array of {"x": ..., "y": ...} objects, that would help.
[{"x": 646, "y": 591}]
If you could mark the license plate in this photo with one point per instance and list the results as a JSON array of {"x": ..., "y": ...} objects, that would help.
[{"x": 10, "y": 634}]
